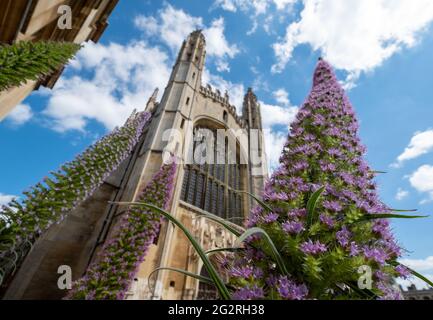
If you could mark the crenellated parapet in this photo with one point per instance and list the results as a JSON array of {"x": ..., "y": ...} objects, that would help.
[
  {"x": 224, "y": 100},
  {"x": 215, "y": 94}
]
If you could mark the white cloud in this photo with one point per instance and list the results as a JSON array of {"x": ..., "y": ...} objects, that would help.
[
  {"x": 273, "y": 115},
  {"x": 218, "y": 46},
  {"x": 20, "y": 115},
  {"x": 274, "y": 143},
  {"x": 423, "y": 266},
  {"x": 283, "y": 4},
  {"x": 350, "y": 81},
  {"x": 281, "y": 96},
  {"x": 419, "y": 264},
  {"x": 253, "y": 28},
  {"x": 123, "y": 77},
  {"x": 259, "y": 7},
  {"x": 355, "y": 35},
  {"x": 401, "y": 194},
  {"x": 228, "y": 5},
  {"x": 422, "y": 180},
  {"x": 173, "y": 25},
  {"x": 257, "y": 10},
  {"x": 421, "y": 143},
  {"x": 147, "y": 24},
  {"x": 275, "y": 138},
  {"x": 216, "y": 43},
  {"x": 6, "y": 198},
  {"x": 419, "y": 284}
]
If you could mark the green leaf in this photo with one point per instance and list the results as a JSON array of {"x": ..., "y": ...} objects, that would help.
[
  {"x": 25, "y": 60},
  {"x": 311, "y": 206},
  {"x": 374, "y": 216},
  {"x": 275, "y": 253},
  {"x": 262, "y": 204},
  {"x": 226, "y": 224},
  {"x": 213, "y": 251},
  {"x": 219, "y": 283},
  {"x": 403, "y": 210}
]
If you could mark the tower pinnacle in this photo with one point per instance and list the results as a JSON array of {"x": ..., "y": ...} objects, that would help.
[
  {"x": 251, "y": 110},
  {"x": 193, "y": 49}
]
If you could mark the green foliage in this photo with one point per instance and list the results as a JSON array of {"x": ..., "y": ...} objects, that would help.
[
  {"x": 276, "y": 248},
  {"x": 312, "y": 214},
  {"x": 268, "y": 243},
  {"x": 24, "y": 60}
]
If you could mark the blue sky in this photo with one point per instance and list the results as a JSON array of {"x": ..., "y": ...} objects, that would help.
[{"x": 381, "y": 50}]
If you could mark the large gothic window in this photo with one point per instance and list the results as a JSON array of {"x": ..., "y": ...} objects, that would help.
[{"x": 211, "y": 186}]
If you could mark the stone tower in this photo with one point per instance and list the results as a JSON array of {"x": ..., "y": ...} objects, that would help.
[
  {"x": 251, "y": 113},
  {"x": 188, "y": 115}
]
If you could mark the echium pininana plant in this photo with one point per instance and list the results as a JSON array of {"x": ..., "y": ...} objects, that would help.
[
  {"x": 26, "y": 60},
  {"x": 323, "y": 243},
  {"x": 110, "y": 276},
  {"x": 48, "y": 202}
]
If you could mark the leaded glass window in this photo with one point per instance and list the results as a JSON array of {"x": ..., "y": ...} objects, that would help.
[{"x": 211, "y": 187}]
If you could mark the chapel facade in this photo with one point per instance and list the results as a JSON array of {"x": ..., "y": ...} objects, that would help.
[{"x": 189, "y": 115}]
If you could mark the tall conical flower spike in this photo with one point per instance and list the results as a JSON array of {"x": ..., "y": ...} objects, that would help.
[{"x": 325, "y": 247}]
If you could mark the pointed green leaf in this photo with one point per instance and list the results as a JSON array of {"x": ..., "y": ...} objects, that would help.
[
  {"x": 403, "y": 210},
  {"x": 262, "y": 204},
  {"x": 311, "y": 206},
  {"x": 213, "y": 251},
  {"x": 371, "y": 216},
  {"x": 276, "y": 255},
  {"x": 233, "y": 228}
]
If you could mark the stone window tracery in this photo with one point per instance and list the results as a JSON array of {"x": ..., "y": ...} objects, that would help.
[{"x": 211, "y": 186}]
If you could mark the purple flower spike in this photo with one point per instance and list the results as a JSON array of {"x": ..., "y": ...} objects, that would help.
[
  {"x": 290, "y": 290},
  {"x": 121, "y": 255},
  {"x": 293, "y": 227},
  {"x": 327, "y": 241},
  {"x": 402, "y": 271},
  {"x": 313, "y": 248}
]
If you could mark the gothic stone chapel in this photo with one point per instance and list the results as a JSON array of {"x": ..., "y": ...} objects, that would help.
[{"x": 186, "y": 105}]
